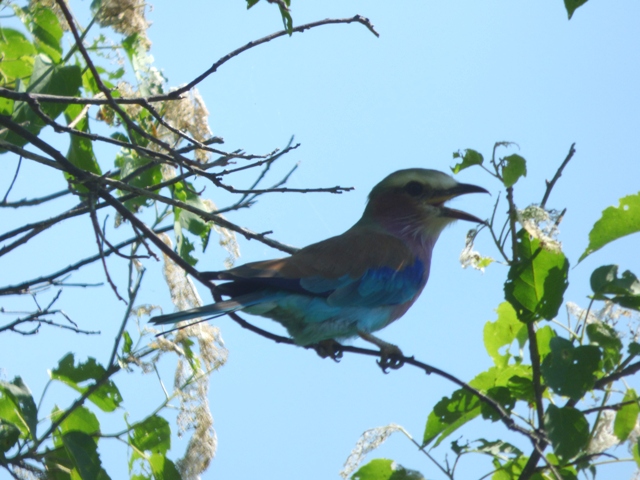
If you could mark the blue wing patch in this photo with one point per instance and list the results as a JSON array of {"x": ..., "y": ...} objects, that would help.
[{"x": 377, "y": 287}]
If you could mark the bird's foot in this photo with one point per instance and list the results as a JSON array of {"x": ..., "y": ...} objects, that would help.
[
  {"x": 391, "y": 357},
  {"x": 329, "y": 349}
]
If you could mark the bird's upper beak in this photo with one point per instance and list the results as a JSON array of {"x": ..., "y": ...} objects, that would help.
[{"x": 459, "y": 189}]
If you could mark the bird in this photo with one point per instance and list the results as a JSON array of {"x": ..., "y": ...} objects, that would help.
[{"x": 353, "y": 284}]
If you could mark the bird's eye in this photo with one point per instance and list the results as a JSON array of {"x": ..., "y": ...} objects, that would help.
[{"x": 414, "y": 188}]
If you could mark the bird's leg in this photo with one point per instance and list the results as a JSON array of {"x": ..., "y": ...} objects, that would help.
[
  {"x": 390, "y": 355},
  {"x": 329, "y": 348}
]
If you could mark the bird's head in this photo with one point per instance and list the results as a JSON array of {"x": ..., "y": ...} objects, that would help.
[{"x": 412, "y": 202}]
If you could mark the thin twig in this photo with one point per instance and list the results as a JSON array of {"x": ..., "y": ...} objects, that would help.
[
  {"x": 336, "y": 189},
  {"x": 35, "y": 201},
  {"x": 558, "y": 174},
  {"x": 625, "y": 372},
  {"x": 97, "y": 232},
  {"x": 15, "y": 177},
  {"x": 329, "y": 21},
  {"x": 614, "y": 406},
  {"x": 133, "y": 293}
]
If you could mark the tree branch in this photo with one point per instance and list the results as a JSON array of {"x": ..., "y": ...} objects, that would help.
[{"x": 558, "y": 174}]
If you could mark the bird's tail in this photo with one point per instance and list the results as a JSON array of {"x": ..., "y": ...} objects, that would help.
[{"x": 213, "y": 310}]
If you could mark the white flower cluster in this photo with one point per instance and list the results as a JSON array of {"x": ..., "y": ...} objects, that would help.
[
  {"x": 541, "y": 224},
  {"x": 191, "y": 381},
  {"x": 188, "y": 114},
  {"x": 124, "y": 16}
]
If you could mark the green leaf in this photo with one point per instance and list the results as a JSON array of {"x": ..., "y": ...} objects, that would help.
[
  {"x": 536, "y": 283},
  {"x": 150, "y": 79},
  {"x": 500, "y": 377},
  {"x": 185, "y": 192},
  {"x": 497, "y": 447},
  {"x": 251, "y": 3},
  {"x": 624, "y": 290},
  {"x": 83, "y": 452},
  {"x": 80, "y": 148},
  {"x": 127, "y": 344},
  {"x": 635, "y": 451},
  {"x": 604, "y": 280},
  {"x": 627, "y": 416},
  {"x": 568, "y": 430},
  {"x": 139, "y": 172},
  {"x": 46, "y": 78},
  {"x": 192, "y": 222},
  {"x": 54, "y": 80},
  {"x": 616, "y": 222},
  {"x": 469, "y": 158},
  {"x": 106, "y": 397},
  {"x": 185, "y": 248},
  {"x": 606, "y": 337},
  {"x": 514, "y": 167},
  {"x": 385, "y": 469},
  {"x": 502, "y": 332},
  {"x": 634, "y": 349},
  {"x": 18, "y": 408},
  {"x": 163, "y": 468},
  {"x": 9, "y": 435},
  {"x": 48, "y": 33},
  {"x": 510, "y": 469},
  {"x": 6, "y": 106},
  {"x": 17, "y": 57},
  {"x": 543, "y": 337},
  {"x": 570, "y": 371},
  {"x": 521, "y": 388},
  {"x": 152, "y": 434},
  {"x": 572, "y": 6},
  {"x": 503, "y": 396},
  {"x": 80, "y": 419},
  {"x": 449, "y": 414},
  {"x": 59, "y": 465}
]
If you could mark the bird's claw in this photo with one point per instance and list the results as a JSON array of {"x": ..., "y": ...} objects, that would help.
[
  {"x": 391, "y": 357},
  {"x": 329, "y": 349}
]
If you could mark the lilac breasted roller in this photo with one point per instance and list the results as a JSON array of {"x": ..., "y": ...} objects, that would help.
[{"x": 355, "y": 283}]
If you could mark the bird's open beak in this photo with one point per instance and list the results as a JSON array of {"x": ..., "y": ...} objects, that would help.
[{"x": 460, "y": 189}]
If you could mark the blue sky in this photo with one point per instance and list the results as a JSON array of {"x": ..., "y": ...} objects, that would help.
[{"x": 443, "y": 76}]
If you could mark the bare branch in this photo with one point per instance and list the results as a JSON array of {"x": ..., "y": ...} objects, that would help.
[
  {"x": 15, "y": 176},
  {"x": 133, "y": 293},
  {"x": 99, "y": 236},
  {"x": 35, "y": 201},
  {"x": 558, "y": 174},
  {"x": 37, "y": 318},
  {"x": 48, "y": 280}
]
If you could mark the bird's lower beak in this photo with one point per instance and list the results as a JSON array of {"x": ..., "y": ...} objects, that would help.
[
  {"x": 461, "y": 189},
  {"x": 460, "y": 215}
]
